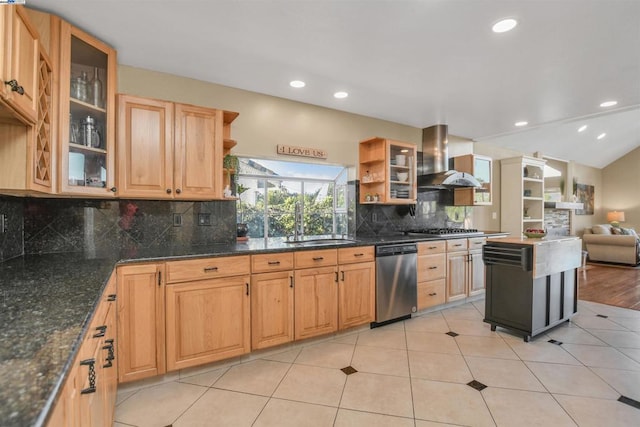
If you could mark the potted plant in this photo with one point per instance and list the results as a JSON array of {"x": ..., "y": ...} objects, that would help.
[
  {"x": 242, "y": 229},
  {"x": 231, "y": 164}
]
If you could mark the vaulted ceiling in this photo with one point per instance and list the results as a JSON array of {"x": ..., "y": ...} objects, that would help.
[{"x": 412, "y": 62}]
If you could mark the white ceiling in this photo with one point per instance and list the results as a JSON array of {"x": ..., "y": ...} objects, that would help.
[{"x": 412, "y": 62}]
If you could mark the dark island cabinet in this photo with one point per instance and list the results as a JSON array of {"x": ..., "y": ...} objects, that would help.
[{"x": 531, "y": 283}]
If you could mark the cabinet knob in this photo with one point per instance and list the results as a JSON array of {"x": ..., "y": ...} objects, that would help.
[
  {"x": 168, "y": 191},
  {"x": 433, "y": 267},
  {"x": 178, "y": 191},
  {"x": 15, "y": 87},
  {"x": 433, "y": 294},
  {"x": 113, "y": 189}
]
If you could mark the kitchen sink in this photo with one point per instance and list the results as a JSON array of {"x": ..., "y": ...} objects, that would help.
[{"x": 320, "y": 242}]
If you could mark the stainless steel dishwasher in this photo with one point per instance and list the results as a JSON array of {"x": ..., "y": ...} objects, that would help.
[{"x": 396, "y": 282}]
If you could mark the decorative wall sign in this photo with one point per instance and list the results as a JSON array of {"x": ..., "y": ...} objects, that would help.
[
  {"x": 585, "y": 195},
  {"x": 290, "y": 150}
]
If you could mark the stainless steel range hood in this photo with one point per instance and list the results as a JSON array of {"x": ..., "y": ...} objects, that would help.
[{"x": 433, "y": 169}]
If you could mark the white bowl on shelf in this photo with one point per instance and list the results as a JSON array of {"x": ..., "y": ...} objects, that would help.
[
  {"x": 401, "y": 159},
  {"x": 402, "y": 176}
]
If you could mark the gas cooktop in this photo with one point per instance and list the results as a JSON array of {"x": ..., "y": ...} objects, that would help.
[{"x": 445, "y": 232}]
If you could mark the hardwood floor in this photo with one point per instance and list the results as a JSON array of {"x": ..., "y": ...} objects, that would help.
[{"x": 610, "y": 285}]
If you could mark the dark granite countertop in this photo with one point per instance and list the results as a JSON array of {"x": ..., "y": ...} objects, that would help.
[{"x": 48, "y": 301}]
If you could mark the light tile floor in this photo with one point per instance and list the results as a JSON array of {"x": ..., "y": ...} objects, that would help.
[{"x": 412, "y": 374}]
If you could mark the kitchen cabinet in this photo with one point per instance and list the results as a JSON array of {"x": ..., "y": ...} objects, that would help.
[
  {"x": 30, "y": 145},
  {"x": 141, "y": 321},
  {"x": 387, "y": 171},
  {"x": 315, "y": 293},
  {"x": 88, "y": 394},
  {"x": 19, "y": 52},
  {"x": 207, "y": 310},
  {"x": 465, "y": 269},
  {"x": 272, "y": 299},
  {"x": 432, "y": 273},
  {"x": 521, "y": 194},
  {"x": 356, "y": 286},
  {"x": 86, "y": 114},
  {"x": 481, "y": 168},
  {"x": 168, "y": 150}
]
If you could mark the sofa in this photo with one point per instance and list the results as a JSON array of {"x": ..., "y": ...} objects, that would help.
[{"x": 612, "y": 244}]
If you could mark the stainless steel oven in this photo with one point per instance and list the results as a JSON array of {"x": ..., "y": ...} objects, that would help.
[{"x": 396, "y": 282}]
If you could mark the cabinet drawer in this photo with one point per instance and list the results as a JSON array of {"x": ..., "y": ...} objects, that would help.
[
  {"x": 434, "y": 247},
  {"x": 431, "y": 267},
  {"x": 457, "y": 245},
  {"x": 358, "y": 254},
  {"x": 431, "y": 293},
  {"x": 476, "y": 242},
  {"x": 207, "y": 268},
  {"x": 319, "y": 258},
  {"x": 264, "y": 263}
]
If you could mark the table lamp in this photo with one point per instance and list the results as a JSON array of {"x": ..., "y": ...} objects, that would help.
[{"x": 615, "y": 218}]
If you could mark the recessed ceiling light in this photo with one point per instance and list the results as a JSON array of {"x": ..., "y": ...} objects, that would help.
[
  {"x": 582, "y": 128},
  {"x": 520, "y": 124},
  {"x": 340, "y": 95},
  {"x": 297, "y": 83},
  {"x": 609, "y": 103},
  {"x": 602, "y": 135},
  {"x": 504, "y": 25}
]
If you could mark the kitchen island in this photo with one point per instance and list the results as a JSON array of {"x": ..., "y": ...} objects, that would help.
[{"x": 531, "y": 284}]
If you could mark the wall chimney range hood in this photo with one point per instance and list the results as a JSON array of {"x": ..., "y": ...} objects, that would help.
[{"x": 433, "y": 167}]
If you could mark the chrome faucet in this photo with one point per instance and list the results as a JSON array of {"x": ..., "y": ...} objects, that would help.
[{"x": 298, "y": 226}]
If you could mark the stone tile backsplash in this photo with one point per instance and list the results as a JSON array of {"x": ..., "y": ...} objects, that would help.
[
  {"x": 11, "y": 242},
  {"x": 434, "y": 209},
  {"x": 75, "y": 225}
]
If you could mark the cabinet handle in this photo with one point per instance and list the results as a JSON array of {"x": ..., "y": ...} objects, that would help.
[
  {"x": 458, "y": 245},
  {"x": 318, "y": 258},
  {"x": 358, "y": 255},
  {"x": 273, "y": 262},
  {"x": 113, "y": 189},
  {"x": 432, "y": 267},
  {"x": 433, "y": 294},
  {"x": 168, "y": 191},
  {"x": 342, "y": 275},
  {"x": 178, "y": 191},
  {"x": 159, "y": 278},
  {"x": 110, "y": 355},
  {"x": 291, "y": 281},
  {"x": 15, "y": 87},
  {"x": 101, "y": 331},
  {"x": 247, "y": 287},
  {"x": 111, "y": 297},
  {"x": 92, "y": 375},
  {"x": 433, "y": 247},
  {"x": 210, "y": 269}
]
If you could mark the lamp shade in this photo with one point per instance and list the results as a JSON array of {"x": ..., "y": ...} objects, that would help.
[{"x": 615, "y": 216}]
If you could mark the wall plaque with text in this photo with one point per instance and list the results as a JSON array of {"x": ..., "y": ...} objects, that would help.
[{"x": 290, "y": 150}]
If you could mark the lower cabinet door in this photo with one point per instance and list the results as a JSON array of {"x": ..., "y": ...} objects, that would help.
[
  {"x": 456, "y": 276},
  {"x": 316, "y": 301},
  {"x": 476, "y": 273},
  {"x": 271, "y": 309},
  {"x": 356, "y": 294},
  {"x": 207, "y": 320}
]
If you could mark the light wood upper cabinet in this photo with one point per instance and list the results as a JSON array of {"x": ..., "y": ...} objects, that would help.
[
  {"x": 522, "y": 194},
  {"x": 171, "y": 151},
  {"x": 198, "y": 152},
  {"x": 207, "y": 320},
  {"x": 387, "y": 171},
  {"x": 86, "y": 117},
  {"x": 145, "y": 147},
  {"x": 481, "y": 167},
  {"x": 19, "y": 52},
  {"x": 141, "y": 321}
]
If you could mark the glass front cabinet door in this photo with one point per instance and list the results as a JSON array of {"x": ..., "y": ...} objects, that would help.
[{"x": 87, "y": 114}]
